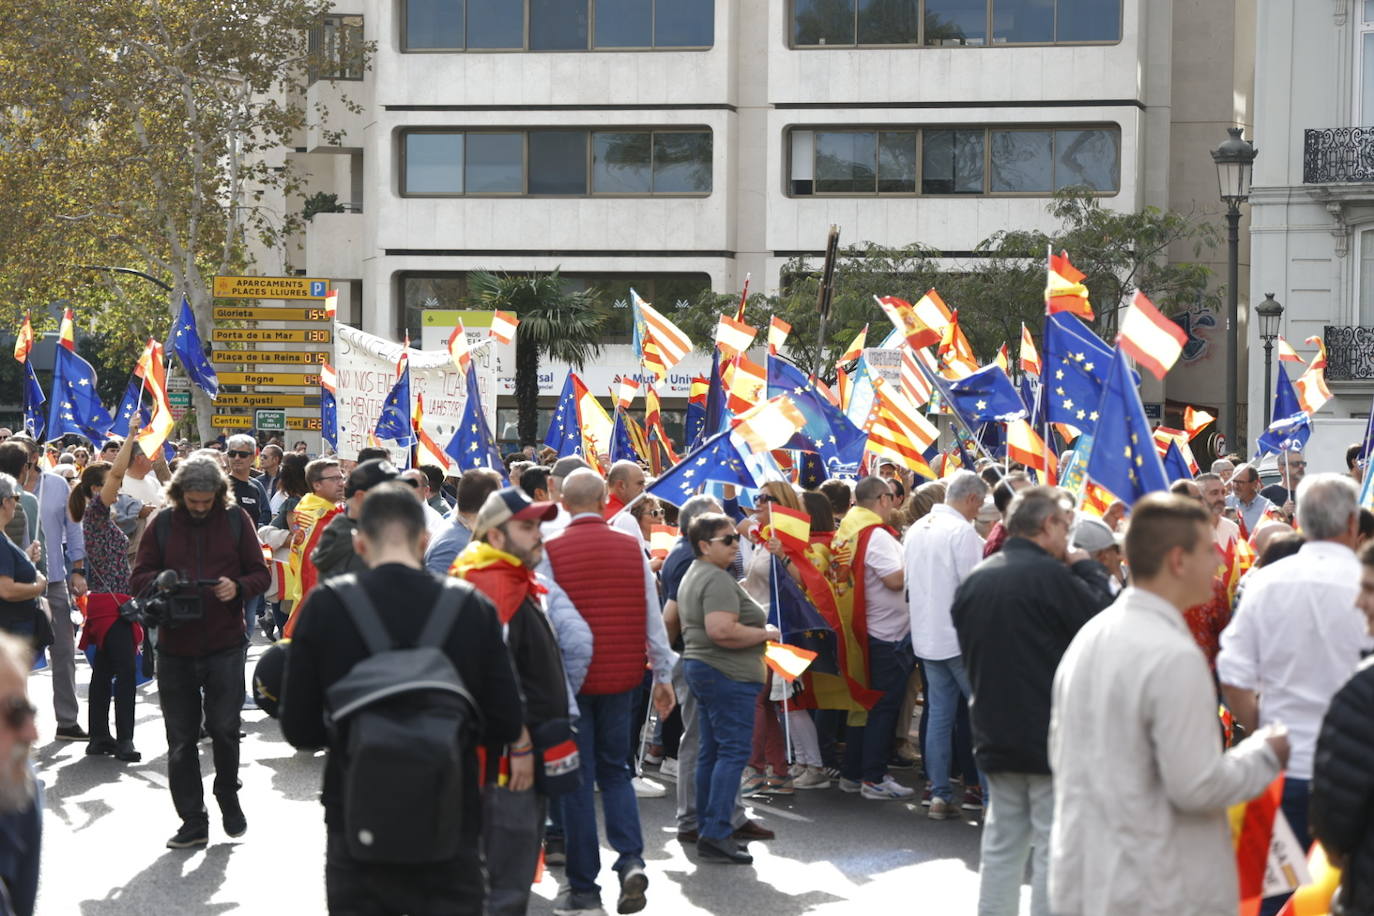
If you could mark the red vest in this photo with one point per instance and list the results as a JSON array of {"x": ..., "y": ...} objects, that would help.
[{"x": 602, "y": 570}]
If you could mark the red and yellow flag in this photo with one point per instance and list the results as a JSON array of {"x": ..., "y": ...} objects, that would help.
[
  {"x": 331, "y": 304},
  {"x": 955, "y": 353},
  {"x": 66, "y": 332},
  {"x": 921, "y": 324},
  {"x": 855, "y": 349},
  {"x": 427, "y": 451},
  {"x": 1030, "y": 357},
  {"x": 1315, "y": 899},
  {"x": 789, "y": 662},
  {"x": 790, "y": 526},
  {"x": 1286, "y": 352},
  {"x": 1252, "y": 824},
  {"x": 770, "y": 424},
  {"x": 898, "y": 431},
  {"x": 458, "y": 346},
  {"x": 1064, "y": 289},
  {"x": 1311, "y": 385},
  {"x": 746, "y": 383},
  {"x": 154, "y": 371},
  {"x": 503, "y": 325},
  {"x": 23, "y": 340},
  {"x": 661, "y": 540},
  {"x": 1194, "y": 421},
  {"x": 1026, "y": 446},
  {"x": 1149, "y": 337},
  {"x": 777, "y": 335},
  {"x": 733, "y": 336}
]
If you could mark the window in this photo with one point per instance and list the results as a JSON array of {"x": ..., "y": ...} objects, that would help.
[
  {"x": 336, "y": 48},
  {"x": 556, "y": 25},
  {"x": 555, "y": 162},
  {"x": 965, "y": 160},
  {"x": 1365, "y": 316},
  {"x": 1364, "y": 56},
  {"x": 936, "y": 23}
]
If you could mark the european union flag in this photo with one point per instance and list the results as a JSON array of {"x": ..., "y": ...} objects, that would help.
[
  {"x": 715, "y": 459},
  {"x": 1291, "y": 427},
  {"x": 185, "y": 343},
  {"x": 329, "y": 418},
  {"x": 76, "y": 406},
  {"x": 981, "y": 396},
  {"x": 394, "y": 423},
  {"x": 565, "y": 430},
  {"x": 472, "y": 445},
  {"x": 128, "y": 408},
  {"x": 1076, "y": 366},
  {"x": 811, "y": 473},
  {"x": 34, "y": 424},
  {"x": 715, "y": 419},
  {"x": 622, "y": 446},
  {"x": 801, "y": 624},
  {"x": 1123, "y": 459},
  {"x": 695, "y": 421},
  {"x": 827, "y": 431},
  {"x": 1175, "y": 465}
]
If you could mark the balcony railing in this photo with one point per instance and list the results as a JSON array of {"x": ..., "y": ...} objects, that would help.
[
  {"x": 1349, "y": 353},
  {"x": 1333, "y": 155}
]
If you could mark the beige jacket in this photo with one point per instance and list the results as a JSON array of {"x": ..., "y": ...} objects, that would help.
[{"x": 1141, "y": 783}]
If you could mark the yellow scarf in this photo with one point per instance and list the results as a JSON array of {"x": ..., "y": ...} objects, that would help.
[{"x": 479, "y": 555}]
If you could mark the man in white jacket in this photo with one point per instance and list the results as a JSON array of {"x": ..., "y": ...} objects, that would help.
[{"x": 1141, "y": 782}]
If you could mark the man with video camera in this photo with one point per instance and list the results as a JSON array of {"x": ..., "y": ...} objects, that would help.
[{"x": 211, "y": 546}]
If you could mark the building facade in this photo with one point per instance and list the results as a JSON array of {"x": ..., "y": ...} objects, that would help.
[{"x": 674, "y": 145}]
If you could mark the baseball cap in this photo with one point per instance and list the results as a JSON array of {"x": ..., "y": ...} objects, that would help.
[
  {"x": 1093, "y": 534},
  {"x": 368, "y": 474},
  {"x": 566, "y": 465},
  {"x": 512, "y": 502}
]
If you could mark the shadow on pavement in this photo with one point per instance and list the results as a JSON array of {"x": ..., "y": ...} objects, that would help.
[{"x": 165, "y": 880}]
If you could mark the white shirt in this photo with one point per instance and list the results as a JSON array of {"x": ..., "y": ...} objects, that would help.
[
  {"x": 886, "y": 610},
  {"x": 147, "y": 490},
  {"x": 941, "y": 550},
  {"x": 1142, "y": 830},
  {"x": 1295, "y": 639}
]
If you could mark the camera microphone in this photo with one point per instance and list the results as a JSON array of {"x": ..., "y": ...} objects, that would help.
[{"x": 166, "y": 580}]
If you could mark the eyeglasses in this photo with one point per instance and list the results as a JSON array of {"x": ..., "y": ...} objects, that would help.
[
  {"x": 726, "y": 539},
  {"x": 237, "y": 454},
  {"x": 334, "y": 477},
  {"x": 17, "y": 711},
  {"x": 656, "y": 513}
]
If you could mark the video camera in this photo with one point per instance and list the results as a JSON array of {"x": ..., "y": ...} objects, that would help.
[{"x": 172, "y": 599}]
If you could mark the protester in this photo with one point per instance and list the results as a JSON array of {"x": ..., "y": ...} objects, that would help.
[
  {"x": 21, "y": 585},
  {"x": 1141, "y": 781},
  {"x": 307, "y": 523},
  {"x": 1292, "y": 466},
  {"x": 1015, "y": 614},
  {"x": 325, "y": 647},
  {"x": 289, "y": 488},
  {"x": 21, "y": 795},
  {"x": 249, "y": 491},
  {"x": 1103, "y": 546},
  {"x": 1297, "y": 635},
  {"x": 474, "y": 487},
  {"x": 1342, "y": 780},
  {"x": 418, "y": 480},
  {"x": 336, "y": 552},
  {"x": 434, "y": 477},
  {"x": 723, "y": 631},
  {"x": 941, "y": 550},
  {"x": 607, "y": 576},
  {"x": 1246, "y": 499},
  {"x": 624, "y": 483},
  {"x": 558, "y": 473},
  {"x": 1213, "y": 492}
]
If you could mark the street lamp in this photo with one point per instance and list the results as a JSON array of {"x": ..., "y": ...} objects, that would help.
[
  {"x": 1269, "y": 312},
  {"x": 1234, "y": 160}
]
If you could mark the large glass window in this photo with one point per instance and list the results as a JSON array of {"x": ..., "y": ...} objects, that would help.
[
  {"x": 336, "y": 48},
  {"x": 846, "y": 23},
  {"x": 965, "y": 160},
  {"x": 556, "y": 162},
  {"x": 557, "y": 25}
]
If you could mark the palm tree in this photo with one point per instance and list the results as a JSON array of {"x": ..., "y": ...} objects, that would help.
[{"x": 554, "y": 321}]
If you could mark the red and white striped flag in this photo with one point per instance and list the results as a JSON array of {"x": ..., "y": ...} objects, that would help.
[
  {"x": 503, "y": 325},
  {"x": 733, "y": 336},
  {"x": 1149, "y": 338},
  {"x": 331, "y": 303},
  {"x": 777, "y": 335}
]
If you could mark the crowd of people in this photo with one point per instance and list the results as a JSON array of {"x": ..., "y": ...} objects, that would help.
[{"x": 994, "y": 649}]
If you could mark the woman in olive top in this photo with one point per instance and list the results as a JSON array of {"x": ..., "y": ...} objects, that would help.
[
  {"x": 21, "y": 584},
  {"x": 723, "y": 632}
]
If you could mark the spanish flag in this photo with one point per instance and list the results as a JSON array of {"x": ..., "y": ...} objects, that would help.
[
  {"x": 733, "y": 336},
  {"x": 777, "y": 335},
  {"x": 1025, "y": 445},
  {"x": 66, "y": 333},
  {"x": 23, "y": 340},
  {"x": 790, "y": 662},
  {"x": 1194, "y": 421},
  {"x": 790, "y": 526},
  {"x": 1030, "y": 357},
  {"x": 1286, "y": 352},
  {"x": 955, "y": 353},
  {"x": 1315, "y": 899},
  {"x": 1064, "y": 289},
  {"x": 1252, "y": 825},
  {"x": 153, "y": 369}
]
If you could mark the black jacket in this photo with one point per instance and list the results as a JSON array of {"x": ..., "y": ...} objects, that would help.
[
  {"x": 326, "y": 645},
  {"x": 1341, "y": 812},
  {"x": 334, "y": 554},
  {"x": 1015, "y": 615}
]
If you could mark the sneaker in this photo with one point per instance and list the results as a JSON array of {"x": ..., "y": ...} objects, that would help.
[
  {"x": 572, "y": 903},
  {"x": 668, "y": 768},
  {"x": 941, "y": 810},
  {"x": 190, "y": 835},
  {"x": 973, "y": 799},
  {"x": 125, "y": 751},
  {"x": 71, "y": 733},
  {"x": 898, "y": 762},
  {"x": 832, "y": 772},
  {"x": 633, "y": 883},
  {"x": 850, "y": 785},
  {"x": 753, "y": 784},
  {"x": 555, "y": 851},
  {"x": 812, "y": 778},
  {"x": 889, "y": 788},
  {"x": 235, "y": 824},
  {"x": 647, "y": 788},
  {"x": 653, "y": 755},
  {"x": 776, "y": 786}
]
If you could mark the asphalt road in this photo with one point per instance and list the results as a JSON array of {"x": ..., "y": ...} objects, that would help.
[{"x": 106, "y": 823}]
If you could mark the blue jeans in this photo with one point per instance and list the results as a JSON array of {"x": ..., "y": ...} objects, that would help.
[
  {"x": 946, "y": 683},
  {"x": 603, "y": 736},
  {"x": 725, "y": 713},
  {"x": 868, "y": 746}
]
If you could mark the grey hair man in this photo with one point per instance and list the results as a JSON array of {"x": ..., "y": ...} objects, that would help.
[
  {"x": 1246, "y": 499},
  {"x": 1292, "y": 466},
  {"x": 1297, "y": 634}
]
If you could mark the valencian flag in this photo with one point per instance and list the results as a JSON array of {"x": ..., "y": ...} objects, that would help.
[
  {"x": 1149, "y": 337},
  {"x": 661, "y": 454},
  {"x": 1076, "y": 365},
  {"x": 34, "y": 423},
  {"x": 1123, "y": 459},
  {"x": 329, "y": 410},
  {"x": 473, "y": 445},
  {"x": 1064, "y": 289},
  {"x": 185, "y": 343},
  {"x": 659, "y": 344},
  {"x": 75, "y": 405},
  {"x": 718, "y": 458},
  {"x": 899, "y": 431},
  {"x": 394, "y": 422}
]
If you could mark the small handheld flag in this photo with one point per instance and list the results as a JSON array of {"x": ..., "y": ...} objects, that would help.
[
  {"x": 503, "y": 325},
  {"x": 1150, "y": 338}
]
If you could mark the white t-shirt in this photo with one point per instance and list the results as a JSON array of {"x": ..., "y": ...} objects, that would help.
[
  {"x": 888, "y": 618},
  {"x": 147, "y": 491}
]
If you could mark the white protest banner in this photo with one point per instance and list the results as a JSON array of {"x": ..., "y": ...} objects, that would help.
[{"x": 366, "y": 366}]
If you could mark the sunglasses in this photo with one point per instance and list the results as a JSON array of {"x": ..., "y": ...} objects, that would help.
[
  {"x": 766, "y": 499},
  {"x": 236, "y": 454},
  {"x": 17, "y": 712},
  {"x": 726, "y": 539},
  {"x": 656, "y": 513}
]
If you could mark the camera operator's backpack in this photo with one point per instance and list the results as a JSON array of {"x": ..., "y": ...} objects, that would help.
[{"x": 404, "y": 725}]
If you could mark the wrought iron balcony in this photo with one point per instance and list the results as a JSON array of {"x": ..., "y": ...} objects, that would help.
[
  {"x": 1349, "y": 353},
  {"x": 1334, "y": 155}
]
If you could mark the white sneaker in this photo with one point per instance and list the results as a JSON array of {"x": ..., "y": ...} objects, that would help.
[
  {"x": 886, "y": 790},
  {"x": 647, "y": 788},
  {"x": 850, "y": 785},
  {"x": 668, "y": 768},
  {"x": 941, "y": 810},
  {"x": 811, "y": 778}
]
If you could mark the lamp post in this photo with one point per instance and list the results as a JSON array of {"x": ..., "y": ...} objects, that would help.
[
  {"x": 1269, "y": 311},
  {"x": 1234, "y": 160}
]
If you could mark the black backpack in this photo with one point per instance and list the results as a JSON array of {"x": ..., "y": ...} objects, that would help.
[{"x": 404, "y": 725}]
